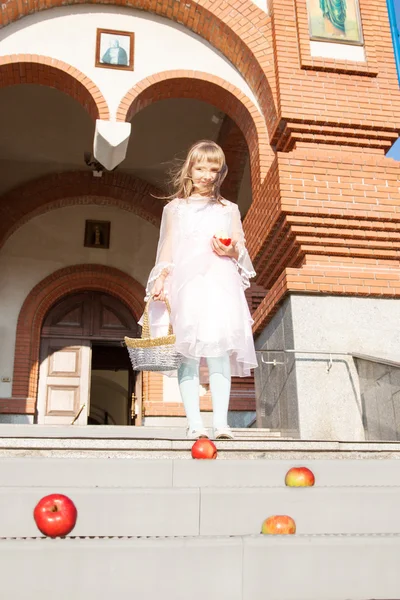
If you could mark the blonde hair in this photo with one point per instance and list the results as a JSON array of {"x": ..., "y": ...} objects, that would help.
[{"x": 181, "y": 179}]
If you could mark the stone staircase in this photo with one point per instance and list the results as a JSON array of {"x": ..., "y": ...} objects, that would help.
[{"x": 166, "y": 526}]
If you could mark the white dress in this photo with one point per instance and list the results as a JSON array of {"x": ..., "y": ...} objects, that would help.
[{"x": 209, "y": 311}]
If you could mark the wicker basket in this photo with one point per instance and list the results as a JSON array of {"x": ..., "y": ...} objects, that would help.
[{"x": 153, "y": 354}]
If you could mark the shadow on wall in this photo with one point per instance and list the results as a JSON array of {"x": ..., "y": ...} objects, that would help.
[
  {"x": 16, "y": 419},
  {"x": 282, "y": 376},
  {"x": 276, "y": 393},
  {"x": 380, "y": 397}
]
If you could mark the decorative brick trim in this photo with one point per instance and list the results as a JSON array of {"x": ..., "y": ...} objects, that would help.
[
  {"x": 326, "y": 201},
  {"x": 242, "y": 32},
  {"x": 43, "y": 70},
  {"x": 211, "y": 89},
  {"x": 336, "y": 102},
  {"x": 68, "y": 189},
  {"x": 37, "y": 304}
]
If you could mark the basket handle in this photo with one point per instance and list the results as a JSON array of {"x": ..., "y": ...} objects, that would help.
[{"x": 146, "y": 320}]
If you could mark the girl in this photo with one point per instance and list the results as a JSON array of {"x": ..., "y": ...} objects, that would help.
[{"x": 204, "y": 280}]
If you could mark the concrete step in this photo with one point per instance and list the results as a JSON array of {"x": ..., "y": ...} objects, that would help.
[
  {"x": 121, "y": 432},
  {"x": 150, "y": 473},
  {"x": 243, "y": 568},
  {"x": 208, "y": 511},
  {"x": 110, "y": 447}
]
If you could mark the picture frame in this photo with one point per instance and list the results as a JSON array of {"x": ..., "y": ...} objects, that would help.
[
  {"x": 97, "y": 234},
  {"x": 337, "y": 21},
  {"x": 115, "y": 49}
]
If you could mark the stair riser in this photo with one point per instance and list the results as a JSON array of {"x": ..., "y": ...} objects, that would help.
[
  {"x": 240, "y": 569},
  {"x": 125, "y": 473},
  {"x": 110, "y": 432},
  {"x": 210, "y": 511}
]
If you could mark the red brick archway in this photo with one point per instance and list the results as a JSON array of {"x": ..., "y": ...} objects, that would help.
[
  {"x": 243, "y": 33},
  {"x": 37, "y": 304},
  {"x": 68, "y": 189},
  {"x": 43, "y": 70},
  {"x": 211, "y": 89}
]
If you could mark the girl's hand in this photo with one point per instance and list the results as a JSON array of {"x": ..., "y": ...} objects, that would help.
[
  {"x": 158, "y": 289},
  {"x": 222, "y": 250}
]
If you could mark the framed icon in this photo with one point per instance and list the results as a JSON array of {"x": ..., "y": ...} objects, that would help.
[
  {"x": 335, "y": 21},
  {"x": 114, "y": 49}
]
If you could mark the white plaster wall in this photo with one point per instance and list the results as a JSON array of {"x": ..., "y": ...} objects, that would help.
[
  {"x": 337, "y": 51},
  {"x": 261, "y": 4},
  {"x": 69, "y": 34},
  {"x": 55, "y": 240}
]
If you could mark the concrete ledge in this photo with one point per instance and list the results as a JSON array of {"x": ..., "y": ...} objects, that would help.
[
  {"x": 271, "y": 472},
  {"x": 107, "y": 512},
  {"x": 320, "y": 568},
  {"x": 207, "y": 511},
  {"x": 240, "y": 511},
  {"x": 171, "y": 446},
  {"x": 125, "y": 473},
  {"x": 85, "y": 473},
  {"x": 247, "y": 568},
  {"x": 118, "y": 432}
]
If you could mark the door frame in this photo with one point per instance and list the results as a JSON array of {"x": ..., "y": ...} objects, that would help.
[{"x": 90, "y": 325}]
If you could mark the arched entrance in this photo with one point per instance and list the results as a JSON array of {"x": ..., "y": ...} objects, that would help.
[{"x": 85, "y": 374}]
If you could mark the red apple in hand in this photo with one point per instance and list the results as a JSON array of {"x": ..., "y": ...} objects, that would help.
[
  {"x": 224, "y": 238},
  {"x": 55, "y": 515},
  {"x": 204, "y": 448},
  {"x": 299, "y": 477},
  {"x": 278, "y": 525}
]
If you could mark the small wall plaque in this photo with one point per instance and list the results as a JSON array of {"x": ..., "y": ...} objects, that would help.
[{"x": 97, "y": 234}]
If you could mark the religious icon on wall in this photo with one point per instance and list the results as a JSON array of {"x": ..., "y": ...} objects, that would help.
[
  {"x": 97, "y": 234},
  {"x": 335, "y": 21},
  {"x": 114, "y": 49}
]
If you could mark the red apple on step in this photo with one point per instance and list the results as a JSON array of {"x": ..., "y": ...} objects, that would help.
[
  {"x": 299, "y": 477},
  {"x": 204, "y": 448},
  {"x": 55, "y": 515},
  {"x": 278, "y": 525}
]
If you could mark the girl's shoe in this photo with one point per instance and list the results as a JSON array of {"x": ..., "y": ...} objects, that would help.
[
  {"x": 224, "y": 433},
  {"x": 196, "y": 434}
]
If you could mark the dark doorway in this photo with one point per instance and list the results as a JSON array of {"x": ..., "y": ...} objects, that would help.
[{"x": 112, "y": 386}]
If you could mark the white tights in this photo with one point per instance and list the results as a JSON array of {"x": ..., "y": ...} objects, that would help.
[{"x": 220, "y": 385}]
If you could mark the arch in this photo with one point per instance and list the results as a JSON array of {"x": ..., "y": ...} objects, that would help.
[
  {"x": 67, "y": 189},
  {"x": 43, "y": 70},
  {"x": 44, "y": 295},
  {"x": 211, "y": 89},
  {"x": 241, "y": 32}
]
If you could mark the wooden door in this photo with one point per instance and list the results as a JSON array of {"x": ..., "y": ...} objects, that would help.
[
  {"x": 64, "y": 381},
  {"x": 90, "y": 315}
]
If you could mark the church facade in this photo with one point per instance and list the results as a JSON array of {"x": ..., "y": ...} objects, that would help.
[{"x": 97, "y": 102}]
